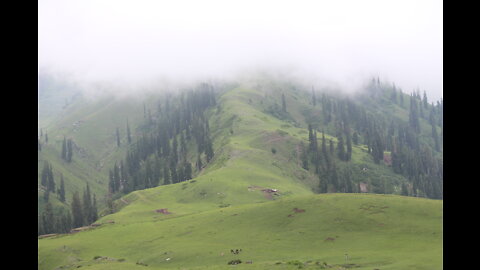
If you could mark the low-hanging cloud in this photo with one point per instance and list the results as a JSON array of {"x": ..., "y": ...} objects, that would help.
[{"x": 342, "y": 41}]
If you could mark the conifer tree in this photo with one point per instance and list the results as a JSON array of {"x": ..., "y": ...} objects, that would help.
[
  {"x": 436, "y": 139},
  {"x": 401, "y": 98},
  {"x": 314, "y": 99},
  {"x": 355, "y": 138},
  {"x": 188, "y": 171},
  {"x": 199, "y": 163},
  {"x": 46, "y": 195},
  {"x": 425, "y": 100},
  {"x": 341, "y": 148},
  {"x": 208, "y": 149},
  {"x": 118, "y": 137},
  {"x": 349, "y": 146},
  {"x": 48, "y": 219},
  {"x": 69, "y": 150},
  {"x": 303, "y": 156},
  {"x": 284, "y": 104},
  {"x": 46, "y": 137},
  {"x": 129, "y": 137},
  {"x": 87, "y": 205},
  {"x": 77, "y": 211},
  {"x": 173, "y": 172},
  {"x": 64, "y": 148},
  {"x": 39, "y": 146},
  {"x": 116, "y": 177},
  {"x": 61, "y": 191},
  {"x": 166, "y": 175},
  {"x": 44, "y": 176},
  {"x": 51, "y": 180},
  {"x": 94, "y": 208},
  {"x": 111, "y": 182}
]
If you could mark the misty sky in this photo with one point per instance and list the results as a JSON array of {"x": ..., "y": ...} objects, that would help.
[{"x": 343, "y": 41}]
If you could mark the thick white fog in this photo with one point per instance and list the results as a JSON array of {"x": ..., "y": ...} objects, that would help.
[{"x": 340, "y": 41}]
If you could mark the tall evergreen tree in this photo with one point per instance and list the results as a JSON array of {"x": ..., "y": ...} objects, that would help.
[
  {"x": 355, "y": 138},
  {"x": 129, "y": 136},
  {"x": 77, "y": 211},
  {"x": 284, "y": 103},
  {"x": 188, "y": 171},
  {"x": 341, "y": 148},
  {"x": 61, "y": 191},
  {"x": 118, "y": 137},
  {"x": 314, "y": 99},
  {"x": 87, "y": 205},
  {"x": 94, "y": 208},
  {"x": 69, "y": 150},
  {"x": 166, "y": 175},
  {"x": 64, "y": 148},
  {"x": 349, "y": 146},
  {"x": 48, "y": 219}
]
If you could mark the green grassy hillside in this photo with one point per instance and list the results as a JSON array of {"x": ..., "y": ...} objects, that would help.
[
  {"x": 225, "y": 208},
  {"x": 376, "y": 231}
]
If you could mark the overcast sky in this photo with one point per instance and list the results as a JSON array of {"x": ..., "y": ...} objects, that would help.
[{"x": 340, "y": 40}]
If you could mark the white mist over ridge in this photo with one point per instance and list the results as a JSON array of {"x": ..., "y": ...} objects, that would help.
[{"x": 340, "y": 42}]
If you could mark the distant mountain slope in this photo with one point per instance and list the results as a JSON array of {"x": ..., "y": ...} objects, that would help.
[{"x": 256, "y": 195}]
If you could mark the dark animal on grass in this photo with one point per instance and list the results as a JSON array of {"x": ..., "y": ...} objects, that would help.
[{"x": 235, "y": 262}]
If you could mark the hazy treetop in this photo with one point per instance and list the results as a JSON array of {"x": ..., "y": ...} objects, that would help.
[{"x": 343, "y": 41}]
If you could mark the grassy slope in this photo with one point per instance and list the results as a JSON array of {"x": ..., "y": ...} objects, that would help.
[
  {"x": 95, "y": 139},
  {"x": 377, "y": 231},
  {"x": 202, "y": 226}
]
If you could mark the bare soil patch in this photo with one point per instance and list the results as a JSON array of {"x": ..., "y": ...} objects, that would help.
[{"x": 163, "y": 211}]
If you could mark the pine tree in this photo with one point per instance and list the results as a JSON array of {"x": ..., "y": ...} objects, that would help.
[
  {"x": 111, "y": 182},
  {"x": 199, "y": 163},
  {"x": 166, "y": 175},
  {"x": 341, "y": 148},
  {"x": 46, "y": 137},
  {"x": 116, "y": 177},
  {"x": 425, "y": 100},
  {"x": 129, "y": 137},
  {"x": 188, "y": 171},
  {"x": 118, "y": 137},
  {"x": 51, "y": 180},
  {"x": 46, "y": 195},
  {"x": 64, "y": 148},
  {"x": 69, "y": 150},
  {"x": 87, "y": 205},
  {"x": 208, "y": 149},
  {"x": 48, "y": 219},
  {"x": 44, "y": 176},
  {"x": 77, "y": 211},
  {"x": 314, "y": 99},
  {"x": 284, "y": 104},
  {"x": 39, "y": 146},
  {"x": 414, "y": 115},
  {"x": 355, "y": 138},
  {"x": 173, "y": 172},
  {"x": 94, "y": 209},
  {"x": 401, "y": 98},
  {"x": 348, "y": 155},
  {"x": 436, "y": 139},
  {"x": 303, "y": 156},
  {"x": 61, "y": 191}
]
